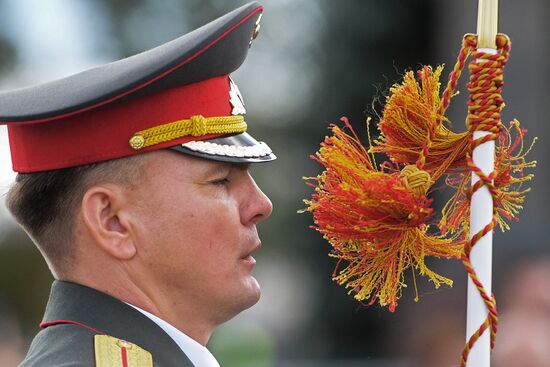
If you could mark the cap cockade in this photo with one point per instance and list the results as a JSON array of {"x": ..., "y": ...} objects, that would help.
[{"x": 178, "y": 96}]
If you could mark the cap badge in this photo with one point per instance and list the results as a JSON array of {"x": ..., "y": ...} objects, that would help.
[
  {"x": 256, "y": 30},
  {"x": 236, "y": 99}
]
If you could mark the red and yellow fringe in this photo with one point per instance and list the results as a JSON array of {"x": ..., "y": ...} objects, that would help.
[
  {"x": 509, "y": 181},
  {"x": 414, "y": 130},
  {"x": 376, "y": 221}
]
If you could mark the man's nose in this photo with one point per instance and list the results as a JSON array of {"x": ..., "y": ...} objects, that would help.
[{"x": 257, "y": 206}]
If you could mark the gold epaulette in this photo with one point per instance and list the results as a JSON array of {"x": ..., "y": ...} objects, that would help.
[{"x": 114, "y": 352}]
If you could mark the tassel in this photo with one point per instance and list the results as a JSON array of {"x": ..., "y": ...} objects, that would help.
[
  {"x": 376, "y": 221},
  {"x": 413, "y": 129},
  {"x": 509, "y": 181}
]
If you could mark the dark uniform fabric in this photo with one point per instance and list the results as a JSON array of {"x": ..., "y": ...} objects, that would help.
[{"x": 70, "y": 345}]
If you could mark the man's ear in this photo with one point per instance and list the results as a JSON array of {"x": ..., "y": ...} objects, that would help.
[{"x": 106, "y": 215}]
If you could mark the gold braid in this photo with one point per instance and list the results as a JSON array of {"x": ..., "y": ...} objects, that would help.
[{"x": 197, "y": 125}]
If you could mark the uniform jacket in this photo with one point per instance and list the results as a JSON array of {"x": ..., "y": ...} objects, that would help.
[{"x": 75, "y": 314}]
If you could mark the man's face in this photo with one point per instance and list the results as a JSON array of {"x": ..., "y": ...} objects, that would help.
[{"x": 196, "y": 231}]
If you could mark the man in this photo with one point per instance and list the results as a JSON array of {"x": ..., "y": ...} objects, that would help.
[{"x": 133, "y": 183}]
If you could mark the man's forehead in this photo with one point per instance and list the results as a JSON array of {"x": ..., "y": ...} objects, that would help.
[{"x": 220, "y": 167}]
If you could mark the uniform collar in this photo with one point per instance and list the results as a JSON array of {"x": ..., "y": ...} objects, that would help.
[
  {"x": 197, "y": 353},
  {"x": 108, "y": 315}
]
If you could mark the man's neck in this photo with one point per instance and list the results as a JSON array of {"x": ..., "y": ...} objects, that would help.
[{"x": 182, "y": 316}]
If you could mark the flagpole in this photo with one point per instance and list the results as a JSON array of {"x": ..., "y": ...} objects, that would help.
[{"x": 481, "y": 209}]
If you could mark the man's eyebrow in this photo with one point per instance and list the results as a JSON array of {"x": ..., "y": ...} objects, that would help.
[
  {"x": 241, "y": 166},
  {"x": 223, "y": 167}
]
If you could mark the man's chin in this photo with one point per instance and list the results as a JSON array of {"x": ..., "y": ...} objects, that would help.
[
  {"x": 254, "y": 291},
  {"x": 250, "y": 294},
  {"x": 241, "y": 300}
]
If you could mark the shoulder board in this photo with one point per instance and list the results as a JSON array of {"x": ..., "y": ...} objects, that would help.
[{"x": 114, "y": 352}]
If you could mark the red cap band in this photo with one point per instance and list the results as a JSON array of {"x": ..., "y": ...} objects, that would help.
[{"x": 103, "y": 133}]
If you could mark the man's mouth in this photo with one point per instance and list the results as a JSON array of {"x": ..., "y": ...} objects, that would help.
[
  {"x": 248, "y": 256},
  {"x": 249, "y": 259}
]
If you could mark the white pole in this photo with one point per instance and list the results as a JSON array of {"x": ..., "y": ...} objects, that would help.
[
  {"x": 481, "y": 209},
  {"x": 481, "y": 256}
]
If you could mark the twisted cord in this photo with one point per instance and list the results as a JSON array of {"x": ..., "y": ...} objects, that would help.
[
  {"x": 197, "y": 125},
  {"x": 484, "y": 107},
  {"x": 469, "y": 43}
]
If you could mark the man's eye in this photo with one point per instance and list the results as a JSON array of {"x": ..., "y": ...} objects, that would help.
[{"x": 221, "y": 182}]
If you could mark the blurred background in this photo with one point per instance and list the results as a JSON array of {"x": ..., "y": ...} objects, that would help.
[{"x": 313, "y": 62}]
